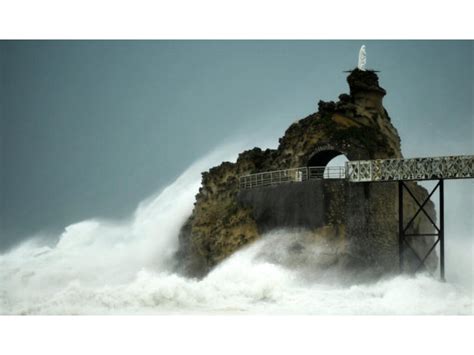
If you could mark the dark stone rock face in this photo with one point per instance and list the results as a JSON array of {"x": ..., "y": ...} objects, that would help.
[
  {"x": 364, "y": 215},
  {"x": 293, "y": 205},
  {"x": 366, "y": 80},
  {"x": 358, "y": 221}
]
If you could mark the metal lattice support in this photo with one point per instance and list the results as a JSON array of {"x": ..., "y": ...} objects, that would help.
[
  {"x": 403, "y": 228},
  {"x": 451, "y": 167}
]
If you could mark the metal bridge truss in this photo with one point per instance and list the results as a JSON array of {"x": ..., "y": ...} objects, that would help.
[
  {"x": 404, "y": 244},
  {"x": 451, "y": 167},
  {"x": 395, "y": 170},
  {"x": 434, "y": 168}
]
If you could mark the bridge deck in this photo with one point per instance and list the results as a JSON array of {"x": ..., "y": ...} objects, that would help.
[{"x": 427, "y": 168}]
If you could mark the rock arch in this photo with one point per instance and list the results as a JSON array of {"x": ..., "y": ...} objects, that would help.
[{"x": 323, "y": 154}]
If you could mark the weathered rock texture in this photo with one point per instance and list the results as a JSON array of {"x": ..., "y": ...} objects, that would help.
[{"x": 357, "y": 221}]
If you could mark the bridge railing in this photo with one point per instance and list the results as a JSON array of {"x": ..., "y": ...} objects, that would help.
[
  {"x": 427, "y": 168},
  {"x": 271, "y": 178}
]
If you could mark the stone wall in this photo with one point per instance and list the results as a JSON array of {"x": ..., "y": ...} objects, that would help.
[{"x": 359, "y": 221}]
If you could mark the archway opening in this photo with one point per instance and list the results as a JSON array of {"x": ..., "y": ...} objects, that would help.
[
  {"x": 322, "y": 158},
  {"x": 327, "y": 164}
]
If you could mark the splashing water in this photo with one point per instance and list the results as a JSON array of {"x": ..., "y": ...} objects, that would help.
[{"x": 101, "y": 267}]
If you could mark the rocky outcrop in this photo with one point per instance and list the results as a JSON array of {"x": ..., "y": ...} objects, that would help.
[{"x": 356, "y": 221}]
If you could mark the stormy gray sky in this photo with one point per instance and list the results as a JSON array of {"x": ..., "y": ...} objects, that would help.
[{"x": 91, "y": 128}]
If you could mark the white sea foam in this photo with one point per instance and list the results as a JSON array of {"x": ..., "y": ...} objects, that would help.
[{"x": 103, "y": 267}]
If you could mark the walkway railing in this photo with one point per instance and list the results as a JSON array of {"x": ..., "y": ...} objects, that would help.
[
  {"x": 271, "y": 178},
  {"x": 427, "y": 168}
]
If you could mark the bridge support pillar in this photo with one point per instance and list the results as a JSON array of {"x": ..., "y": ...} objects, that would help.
[
  {"x": 441, "y": 229},
  {"x": 403, "y": 235}
]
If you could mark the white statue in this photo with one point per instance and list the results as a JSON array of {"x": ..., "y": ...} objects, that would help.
[{"x": 362, "y": 58}]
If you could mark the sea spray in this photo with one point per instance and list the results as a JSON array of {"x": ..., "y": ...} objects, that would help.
[
  {"x": 97, "y": 253},
  {"x": 105, "y": 267}
]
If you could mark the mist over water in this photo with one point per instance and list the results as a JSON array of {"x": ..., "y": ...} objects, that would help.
[{"x": 110, "y": 267}]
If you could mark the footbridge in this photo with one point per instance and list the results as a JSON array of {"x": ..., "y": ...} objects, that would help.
[{"x": 386, "y": 170}]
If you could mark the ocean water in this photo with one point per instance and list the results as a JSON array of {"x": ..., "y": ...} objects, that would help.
[{"x": 126, "y": 267}]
